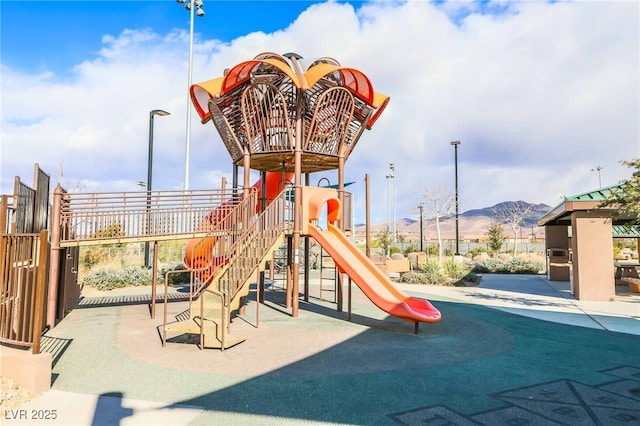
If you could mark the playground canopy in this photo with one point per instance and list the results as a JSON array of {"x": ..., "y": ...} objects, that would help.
[{"x": 263, "y": 106}]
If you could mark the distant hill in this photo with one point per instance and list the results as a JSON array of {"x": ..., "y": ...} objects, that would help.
[
  {"x": 531, "y": 219},
  {"x": 472, "y": 224}
]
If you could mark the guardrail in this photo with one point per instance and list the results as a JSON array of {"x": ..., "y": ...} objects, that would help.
[
  {"x": 257, "y": 240},
  {"x": 114, "y": 217}
]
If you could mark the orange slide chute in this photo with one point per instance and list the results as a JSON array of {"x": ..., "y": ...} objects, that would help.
[
  {"x": 352, "y": 261},
  {"x": 199, "y": 251},
  {"x": 370, "y": 279}
]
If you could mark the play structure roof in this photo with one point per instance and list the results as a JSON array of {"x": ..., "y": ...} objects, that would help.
[{"x": 266, "y": 107}]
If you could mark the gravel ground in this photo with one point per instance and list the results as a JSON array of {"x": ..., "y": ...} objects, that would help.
[{"x": 12, "y": 395}]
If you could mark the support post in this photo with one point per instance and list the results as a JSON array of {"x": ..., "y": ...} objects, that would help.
[
  {"x": 367, "y": 226},
  {"x": 54, "y": 266},
  {"x": 154, "y": 279}
]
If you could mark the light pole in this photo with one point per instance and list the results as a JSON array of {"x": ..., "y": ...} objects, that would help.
[
  {"x": 389, "y": 203},
  {"x": 455, "y": 150},
  {"x": 392, "y": 167},
  {"x": 152, "y": 114},
  {"x": 193, "y": 6},
  {"x": 598, "y": 169},
  {"x": 421, "y": 207}
]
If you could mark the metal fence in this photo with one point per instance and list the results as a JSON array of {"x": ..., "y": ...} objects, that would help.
[{"x": 23, "y": 280}]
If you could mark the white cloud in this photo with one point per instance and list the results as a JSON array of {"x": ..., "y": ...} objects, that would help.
[{"x": 538, "y": 96}]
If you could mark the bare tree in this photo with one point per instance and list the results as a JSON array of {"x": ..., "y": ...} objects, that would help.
[
  {"x": 438, "y": 203},
  {"x": 513, "y": 214}
]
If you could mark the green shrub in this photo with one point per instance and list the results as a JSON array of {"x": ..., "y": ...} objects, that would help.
[
  {"x": 412, "y": 277},
  {"x": 433, "y": 273},
  {"x": 178, "y": 278},
  {"x": 511, "y": 266},
  {"x": 455, "y": 270},
  {"x": 477, "y": 250},
  {"x": 412, "y": 248},
  {"x": 110, "y": 279},
  {"x": 91, "y": 256}
]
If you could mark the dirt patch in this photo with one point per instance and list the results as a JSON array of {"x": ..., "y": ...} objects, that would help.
[{"x": 12, "y": 395}]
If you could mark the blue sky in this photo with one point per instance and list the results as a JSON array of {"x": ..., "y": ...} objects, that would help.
[
  {"x": 539, "y": 93},
  {"x": 60, "y": 34}
]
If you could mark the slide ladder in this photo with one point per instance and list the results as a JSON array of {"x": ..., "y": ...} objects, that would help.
[{"x": 240, "y": 246}]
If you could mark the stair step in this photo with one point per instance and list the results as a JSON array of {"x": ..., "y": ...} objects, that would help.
[
  {"x": 212, "y": 333},
  {"x": 213, "y": 340},
  {"x": 185, "y": 326}
]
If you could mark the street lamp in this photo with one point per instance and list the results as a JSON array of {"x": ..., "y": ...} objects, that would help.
[
  {"x": 421, "y": 208},
  {"x": 152, "y": 114},
  {"x": 598, "y": 169},
  {"x": 455, "y": 149},
  {"x": 389, "y": 177},
  {"x": 392, "y": 167},
  {"x": 193, "y": 6}
]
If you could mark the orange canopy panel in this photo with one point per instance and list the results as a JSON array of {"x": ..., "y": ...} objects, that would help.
[
  {"x": 350, "y": 78},
  {"x": 242, "y": 72},
  {"x": 380, "y": 102},
  {"x": 201, "y": 93}
]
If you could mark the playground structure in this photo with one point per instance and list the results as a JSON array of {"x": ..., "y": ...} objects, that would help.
[
  {"x": 272, "y": 117},
  {"x": 275, "y": 118}
]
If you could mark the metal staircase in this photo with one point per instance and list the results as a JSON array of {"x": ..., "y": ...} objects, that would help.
[{"x": 239, "y": 246}]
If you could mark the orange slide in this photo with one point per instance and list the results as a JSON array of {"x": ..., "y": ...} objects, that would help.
[
  {"x": 199, "y": 251},
  {"x": 370, "y": 279}
]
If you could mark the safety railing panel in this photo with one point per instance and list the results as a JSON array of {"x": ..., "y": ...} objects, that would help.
[
  {"x": 25, "y": 206},
  {"x": 23, "y": 278},
  {"x": 138, "y": 215},
  {"x": 212, "y": 253},
  {"x": 41, "y": 183},
  {"x": 248, "y": 251},
  {"x": 7, "y": 213}
]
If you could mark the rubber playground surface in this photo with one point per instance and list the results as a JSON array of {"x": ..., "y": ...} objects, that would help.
[{"x": 515, "y": 350}]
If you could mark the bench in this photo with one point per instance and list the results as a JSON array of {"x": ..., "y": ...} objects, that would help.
[{"x": 634, "y": 283}]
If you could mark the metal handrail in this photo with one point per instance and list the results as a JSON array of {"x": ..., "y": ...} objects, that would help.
[
  {"x": 228, "y": 224},
  {"x": 139, "y": 215},
  {"x": 247, "y": 253}
]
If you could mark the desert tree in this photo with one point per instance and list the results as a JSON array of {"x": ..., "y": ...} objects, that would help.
[
  {"x": 513, "y": 214},
  {"x": 401, "y": 239},
  {"x": 495, "y": 234},
  {"x": 383, "y": 239},
  {"x": 438, "y": 203},
  {"x": 626, "y": 196}
]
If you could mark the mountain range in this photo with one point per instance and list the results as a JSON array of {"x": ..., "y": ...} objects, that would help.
[{"x": 472, "y": 224}]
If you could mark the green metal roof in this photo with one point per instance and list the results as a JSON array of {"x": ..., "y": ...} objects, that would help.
[
  {"x": 626, "y": 231},
  {"x": 584, "y": 201},
  {"x": 597, "y": 195}
]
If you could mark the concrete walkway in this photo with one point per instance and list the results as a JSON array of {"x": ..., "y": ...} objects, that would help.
[
  {"x": 514, "y": 349},
  {"x": 536, "y": 297}
]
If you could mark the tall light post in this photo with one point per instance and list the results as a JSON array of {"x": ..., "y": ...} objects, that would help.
[
  {"x": 194, "y": 7},
  {"x": 152, "y": 114},
  {"x": 455, "y": 149},
  {"x": 392, "y": 167},
  {"x": 389, "y": 177},
  {"x": 421, "y": 208},
  {"x": 598, "y": 169}
]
